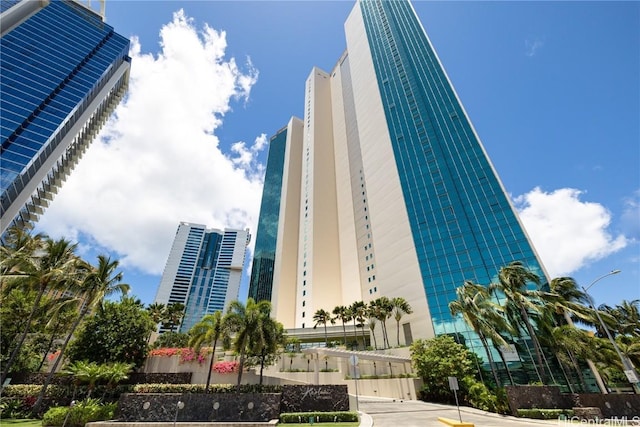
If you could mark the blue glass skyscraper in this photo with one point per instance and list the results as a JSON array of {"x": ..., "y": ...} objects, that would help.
[
  {"x": 203, "y": 271},
  {"x": 62, "y": 73},
  {"x": 267, "y": 235}
]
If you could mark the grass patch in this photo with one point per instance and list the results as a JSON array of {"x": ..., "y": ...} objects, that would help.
[{"x": 20, "y": 423}]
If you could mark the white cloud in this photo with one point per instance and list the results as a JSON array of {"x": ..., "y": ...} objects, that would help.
[
  {"x": 532, "y": 46},
  {"x": 567, "y": 232},
  {"x": 158, "y": 161}
]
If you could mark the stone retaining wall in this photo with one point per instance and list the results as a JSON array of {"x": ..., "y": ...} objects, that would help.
[
  {"x": 208, "y": 407},
  {"x": 550, "y": 397}
]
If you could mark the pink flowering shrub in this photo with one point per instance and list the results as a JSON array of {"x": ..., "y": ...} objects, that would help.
[
  {"x": 186, "y": 354},
  {"x": 226, "y": 367}
]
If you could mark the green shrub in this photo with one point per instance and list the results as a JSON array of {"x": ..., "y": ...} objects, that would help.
[
  {"x": 83, "y": 412},
  {"x": 318, "y": 417},
  {"x": 545, "y": 414},
  {"x": 25, "y": 390},
  {"x": 13, "y": 408},
  {"x": 200, "y": 388},
  {"x": 481, "y": 397}
]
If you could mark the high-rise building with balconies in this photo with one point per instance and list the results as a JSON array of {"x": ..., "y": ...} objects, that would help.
[
  {"x": 203, "y": 271},
  {"x": 63, "y": 71}
]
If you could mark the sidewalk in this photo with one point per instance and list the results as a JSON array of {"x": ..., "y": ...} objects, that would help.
[{"x": 386, "y": 412}]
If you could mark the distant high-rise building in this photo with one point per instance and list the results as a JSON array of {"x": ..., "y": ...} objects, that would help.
[
  {"x": 203, "y": 271},
  {"x": 387, "y": 190},
  {"x": 267, "y": 236},
  {"x": 63, "y": 72}
]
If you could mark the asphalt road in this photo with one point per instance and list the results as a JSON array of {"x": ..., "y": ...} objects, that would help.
[{"x": 384, "y": 412}]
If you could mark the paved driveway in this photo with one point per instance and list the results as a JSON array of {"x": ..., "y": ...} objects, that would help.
[{"x": 385, "y": 412}]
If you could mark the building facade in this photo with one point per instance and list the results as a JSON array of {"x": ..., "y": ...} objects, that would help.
[
  {"x": 203, "y": 271},
  {"x": 395, "y": 194},
  {"x": 56, "y": 92}
]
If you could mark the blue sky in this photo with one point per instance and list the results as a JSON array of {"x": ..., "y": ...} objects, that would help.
[{"x": 552, "y": 88}]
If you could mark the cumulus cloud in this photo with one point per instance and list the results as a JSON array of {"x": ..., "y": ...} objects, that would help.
[
  {"x": 157, "y": 161},
  {"x": 566, "y": 231}
]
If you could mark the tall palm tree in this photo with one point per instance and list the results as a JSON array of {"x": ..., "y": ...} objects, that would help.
[
  {"x": 474, "y": 304},
  {"x": 372, "y": 321},
  {"x": 383, "y": 309},
  {"x": 400, "y": 308},
  {"x": 342, "y": 313},
  {"x": 321, "y": 317},
  {"x": 42, "y": 269},
  {"x": 567, "y": 303},
  {"x": 208, "y": 330},
  {"x": 358, "y": 311},
  {"x": 246, "y": 322},
  {"x": 97, "y": 283},
  {"x": 513, "y": 281},
  {"x": 266, "y": 340}
]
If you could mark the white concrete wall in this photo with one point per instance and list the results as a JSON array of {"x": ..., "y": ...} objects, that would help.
[{"x": 285, "y": 269}]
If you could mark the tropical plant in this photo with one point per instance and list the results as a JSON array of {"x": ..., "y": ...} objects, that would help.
[
  {"x": 97, "y": 283},
  {"x": 245, "y": 322},
  {"x": 343, "y": 314},
  {"x": 474, "y": 304},
  {"x": 358, "y": 311},
  {"x": 84, "y": 372},
  {"x": 437, "y": 359},
  {"x": 400, "y": 307},
  {"x": 513, "y": 282},
  {"x": 174, "y": 315},
  {"x": 114, "y": 373},
  {"x": 382, "y": 310},
  {"x": 321, "y": 317},
  {"x": 209, "y": 330},
  {"x": 42, "y": 268}
]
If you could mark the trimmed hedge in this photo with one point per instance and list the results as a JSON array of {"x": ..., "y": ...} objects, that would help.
[
  {"x": 318, "y": 417},
  {"x": 545, "y": 414},
  {"x": 79, "y": 414},
  {"x": 200, "y": 388},
  {"x": 25, "y": 390}
]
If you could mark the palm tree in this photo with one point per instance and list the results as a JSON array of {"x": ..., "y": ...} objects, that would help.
[
  {"x": 483, "y": 316},
  {"x": 174, "y": 314},
  {"x": 208, "y": 330},
  {"x": 400, "y": 307},
  {"x": 246, "y": 322},
  {"x": 98, "y": 283},
  {"x": 383, "y": 309},
  {"x": 321, "y": 317},
  {"x": 85, "y": 372},
  {"x": 513, "y": 280},
  {"x": 114, "y": 373},
  {"x": 266, "y": 340},
  {"x": 342, "y": 313},
  {"x": 568, "y": 303},
  {"x": 358, "y": 311},
  {"x": 43, "y": 269},
  {"x": 372, "y": 321}
]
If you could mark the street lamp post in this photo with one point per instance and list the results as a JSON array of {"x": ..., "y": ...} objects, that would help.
[{"x": 627, "y": 367}]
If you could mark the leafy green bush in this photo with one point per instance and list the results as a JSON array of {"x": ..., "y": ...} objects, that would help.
[
  {"x": 481, "y": 397},
  {"x": 318, "y": 417},
  {"x": 545, "y": 414},
  {"x": 13, "y": 408},
  {"x": 26, "y": 390},
  {"x": 200, "y": 388},
  {"x": 83, "y": 412}
]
